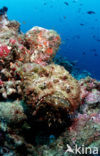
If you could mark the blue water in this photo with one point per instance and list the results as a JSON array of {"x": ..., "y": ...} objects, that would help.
[{"x": 79, "y": 42}]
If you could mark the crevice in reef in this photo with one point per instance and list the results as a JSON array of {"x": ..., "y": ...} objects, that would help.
[{"x": 39, "y": 132}]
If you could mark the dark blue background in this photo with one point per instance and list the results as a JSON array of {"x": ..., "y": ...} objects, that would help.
[{"x": 78, "y": 41}]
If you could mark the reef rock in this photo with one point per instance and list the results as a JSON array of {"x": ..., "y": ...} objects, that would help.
[
  {"x": 90, "y": 94},
  {"x": 38, "y": 45},
  {"x": 12, "y": 112},
  {"x": 84, "y": 134},
  {"x": 49, "y": 93},
  {"x": 43, "y": 44}
]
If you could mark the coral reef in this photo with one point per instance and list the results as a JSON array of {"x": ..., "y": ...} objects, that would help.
[
  {"x": 12, "y": 111},
  {"x": 89, "y": 94},
  {"x": 43, "y": 44},
  {"x": 84, "y": 132},
  {"x": 16, "y": 49},
  {"x": 42, "y": 100},
  {"x": 85, "y": 129},
  {"x": 20, "y": 71}
]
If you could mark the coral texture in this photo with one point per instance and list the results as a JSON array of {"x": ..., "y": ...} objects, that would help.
[
  {"x": 12, "y": 111},
  {"x": 41, "y": 100},
  {"x": 26, "y": 73},
  {"x": 43, "y": 44}
]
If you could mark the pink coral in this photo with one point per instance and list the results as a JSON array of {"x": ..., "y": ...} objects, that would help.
[
  {"x": 83, "y": 92},
  {"x": 4, "y": 51},
  {"x": 90, "y": 90},
  {"x": 1, "y": 82},
  {"x": 12, "y": 41},
  {"x": 93, "y": 97}
]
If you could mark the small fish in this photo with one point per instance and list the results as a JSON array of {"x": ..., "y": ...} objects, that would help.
[
  {"x": 84, "y": 53},
  {"x": 44, "y": 3},
  {"x": 95, "y": 54},
  {"x": 64, "y": 17},
  {"x": 91, "y": 12},
  {"x": 98, "y": 40},
  {"x": 81, "y": 24},
  {"x": 66, "y": 3}
]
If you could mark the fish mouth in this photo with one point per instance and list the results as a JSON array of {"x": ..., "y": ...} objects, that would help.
[
  {"x": 52, "y": 111},
  {"x": 54, "y": 101}
]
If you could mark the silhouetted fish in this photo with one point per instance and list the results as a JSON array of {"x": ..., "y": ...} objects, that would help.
[
  {"x": 66, "y": 3},
  {"x": 98, "y": 40},
  {"x": 44, "y": 3},
  {"x": 64, "y": 17},
  {"x": 95, "y": 54},
  {"x": 83, "y": 53},
  {"x": 91, "y": 12},
  {"x": 81, "y": 24}
]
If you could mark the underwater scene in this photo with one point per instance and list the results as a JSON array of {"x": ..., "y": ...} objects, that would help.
[{"x": 49, "y": 78}]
